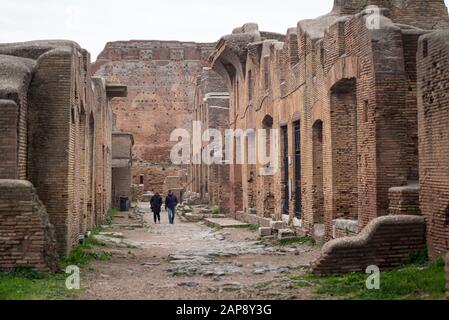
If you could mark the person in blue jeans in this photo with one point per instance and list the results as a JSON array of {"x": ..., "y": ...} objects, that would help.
[{"x": 170, "y": 205}]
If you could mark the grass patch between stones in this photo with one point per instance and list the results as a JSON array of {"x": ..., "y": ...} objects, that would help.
[
  {"x": 424, "y": 281},
  {"x": 25, "y": 284},
  {"x": 295, "y": 241}
]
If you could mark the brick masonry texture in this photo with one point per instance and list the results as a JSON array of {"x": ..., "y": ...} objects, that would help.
[
  {"x": 362, "y": 114},
  {"x": 433, "y": 112},
  {"x": 386, "y": 243},
  {"x": 161, "y": 78},
  {"x": 26, "y": 235},
  {"x": 345, "y": 97},
  {"x": 122, "y": 145},
  {"x": 211, "y": 108},
  {"x": 57, "y": 134}
]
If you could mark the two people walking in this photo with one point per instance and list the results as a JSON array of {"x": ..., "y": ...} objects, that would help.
[{"x": 171, "y": 201}]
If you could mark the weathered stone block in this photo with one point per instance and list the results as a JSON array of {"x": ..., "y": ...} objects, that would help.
[
  {"x": 284, "y": 234},
  {"x": 265, "y": 232},
  {"x": 278, "y": 225}
]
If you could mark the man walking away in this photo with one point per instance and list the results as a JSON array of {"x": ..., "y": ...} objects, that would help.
[
  {"x": 156, "y": 205},
  {"x": 170, "y": 205}
]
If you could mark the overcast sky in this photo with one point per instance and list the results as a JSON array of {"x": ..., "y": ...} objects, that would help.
[{"x": 92, "y": 23}]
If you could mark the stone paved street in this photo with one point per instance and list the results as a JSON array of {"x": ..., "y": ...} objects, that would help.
[{"x": 192, "y": 261}]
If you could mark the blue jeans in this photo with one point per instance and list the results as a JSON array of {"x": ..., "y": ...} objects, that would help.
[{"x": 171, "y": 215}]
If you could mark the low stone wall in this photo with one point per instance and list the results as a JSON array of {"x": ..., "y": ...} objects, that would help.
[
  {"x": 26, "y": 236},
  {"x": 254, "y": 219},
  {"x": 386, "y": 242},
  {"x": 343, "y": 228},
  {"x": 404, "y": 200}
]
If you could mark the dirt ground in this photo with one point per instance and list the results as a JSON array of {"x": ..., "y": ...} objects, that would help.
[{"x": 193, "y": 261}]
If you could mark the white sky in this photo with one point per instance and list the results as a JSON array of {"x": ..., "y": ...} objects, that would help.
[{"x": 92, "y": 23}]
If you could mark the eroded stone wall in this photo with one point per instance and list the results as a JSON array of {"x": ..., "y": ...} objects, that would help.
[
  {"x": 58, "y": 133},
  {"x": 211, "y": 109},
  {"x": 433, "y": 113},
  {"x": 345, "y": 97},
  {"x": 386, "y": 242},
  {"x": 27, "y": 238},
  {"x": 161, "y": 77}
]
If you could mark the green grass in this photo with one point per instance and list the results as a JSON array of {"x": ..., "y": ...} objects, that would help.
[
  {"x": 26, "y": 284},
  {"x": 295, "y": 241},
  {"x": 111, "y": 214},
  {"x": 82, "y": 255},
  {"x": 411, "y": 282},
  {"x": 215, "y": 210},
  {"x": 254, "y": 227}
]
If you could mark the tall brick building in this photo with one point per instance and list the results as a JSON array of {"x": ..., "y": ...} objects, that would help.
[
  {"x": 211, "y": 111},
  {"x": 56, "y": 129},
  {"x": 344, "y": 90},
  {"x": 161, "y": 79}
]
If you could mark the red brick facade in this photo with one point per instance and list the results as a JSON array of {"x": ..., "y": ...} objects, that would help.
[
  {"x": 211, "y": 109},
  {"x": 160, "y": 76},
  {"x": 433, "y": 114},
  {"x": 26, "y": 235},
  {"x": 344, "y": 94},
  {"x": 57, "y": 135},
  {"x": 386, "y": 242}
]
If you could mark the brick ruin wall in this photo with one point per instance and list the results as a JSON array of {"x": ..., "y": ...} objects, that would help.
[
  {"x": 26, "y": 235},
  {"x": 433, "y": 112},
  {"x": 59, "y": 139},
  {"x": 211, "y": 108},
  {"x": 324, "y": 93},
  {"x": 161, "y": 84},
  {"x": 349, "y": 96},
  {"x": 386, "y": 242}
]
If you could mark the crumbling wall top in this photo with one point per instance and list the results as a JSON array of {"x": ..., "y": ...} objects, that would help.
[{"x": 15, "y": 74}]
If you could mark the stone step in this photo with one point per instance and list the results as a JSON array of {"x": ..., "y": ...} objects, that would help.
[{"x": 225, "y": 223}]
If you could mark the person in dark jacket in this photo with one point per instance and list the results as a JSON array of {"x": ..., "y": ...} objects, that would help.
[
  {"x": 170, "y": 205},
  {"x": 156, "y": 205}
]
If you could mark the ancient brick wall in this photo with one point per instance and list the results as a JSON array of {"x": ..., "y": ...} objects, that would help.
[
  {"x": 404, "y": 200},
  {"x": 211, "y": 108},
  {"x": 433, "y": 112},
  {"x": 26, "y": 236},
  {"x": 122, "y": 145},
  {"x": 55, "y": 144},
  {"x": 386, "y": 242},
  {"x": 15, "y": 75},
  {"x": 153, "y": 175},
  {"x": 344, "y": 97},
  {"x": 121, "y": 184},
  {"x": 8, "y": 139},
  {"x": 160, "y": 76},
  {"x": 103, "y": 144},
  {"x": 423, "y": 14}
]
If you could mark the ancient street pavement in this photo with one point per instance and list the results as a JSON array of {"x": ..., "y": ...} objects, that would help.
[{"x": 192, "y": 261}]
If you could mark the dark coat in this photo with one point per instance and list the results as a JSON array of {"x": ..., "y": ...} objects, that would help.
[
  {"x": 156, "y": 204},
  {"x": 171, "y": 201}
]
